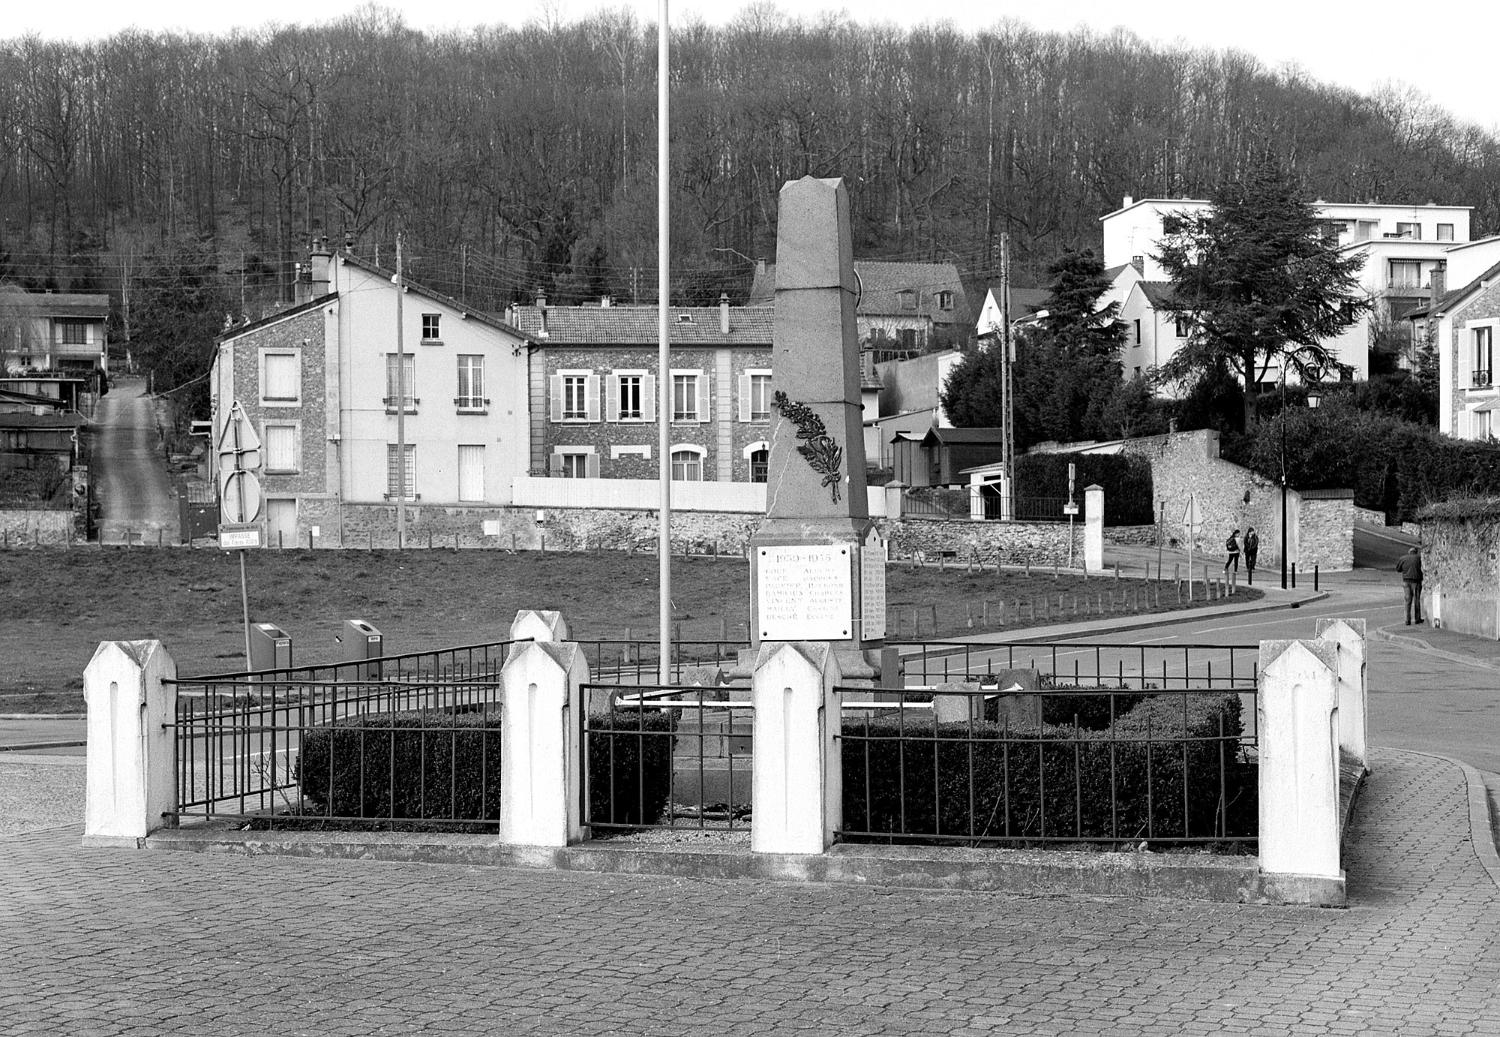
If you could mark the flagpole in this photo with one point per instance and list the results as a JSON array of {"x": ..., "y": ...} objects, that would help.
[{"x": 663, "y": 353}]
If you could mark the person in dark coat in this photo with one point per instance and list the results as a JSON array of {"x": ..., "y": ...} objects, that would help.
[
  {"x": 1252, "y": 547},
  {"x": 1232, "y": 546},
  {"x": 1409, "y": 566}
]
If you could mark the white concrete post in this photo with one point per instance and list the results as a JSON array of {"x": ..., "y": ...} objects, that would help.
[
  {"x": 1093, "y": 528},
  {"x": 1296, "y": 725},
  {"x": 131, "y": 782},
  {"x": 538, "y": 625},
  {"x": 976, "y": 498},
  {"x": 1353, "y": 688},
  {"x": 797, "y": 791},
  {"x": 540, "y": 765},
  {"x": 893, "y": 498}
]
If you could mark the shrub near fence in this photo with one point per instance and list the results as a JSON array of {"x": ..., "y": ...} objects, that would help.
[
  {"x": 1126, "y": 480},
  {"x": 423, "y": 768},
  {"x": 1169, "y": 770}
]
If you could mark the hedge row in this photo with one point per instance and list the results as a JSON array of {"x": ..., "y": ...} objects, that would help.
[
  {"x": 1059, "y": 782},
  {"x": 1126, "y": 481},
  {"x": 436, "y": 765}
]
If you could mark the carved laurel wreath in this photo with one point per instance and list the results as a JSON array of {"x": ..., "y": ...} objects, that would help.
[{"x": 819, "y": 449}]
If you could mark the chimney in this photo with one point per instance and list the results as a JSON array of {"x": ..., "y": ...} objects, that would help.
[
  {"x": 1139, "y": 262},
  {"x": 1128, "y": 202},
  {"x": 605, "y": 302},
  {"x": 348, "y": 243},
  {"x": 724, "y": 313},
  {"x": 541, "y": 309},
  {"x": 301, "y": 286},
  {"x": 321, "y": 258},
  {"x": 1439, "y": 281}
]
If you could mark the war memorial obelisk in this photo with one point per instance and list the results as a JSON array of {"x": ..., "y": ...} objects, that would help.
[{"x": 817, "y": 569}]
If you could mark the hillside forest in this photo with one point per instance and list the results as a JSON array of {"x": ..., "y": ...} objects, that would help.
[{"x": 186, "y": 174}]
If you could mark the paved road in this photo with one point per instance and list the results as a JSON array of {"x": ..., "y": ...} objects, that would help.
[
  {"x": 1378, "y": 549},
  {"x": 133, "y": 490}
]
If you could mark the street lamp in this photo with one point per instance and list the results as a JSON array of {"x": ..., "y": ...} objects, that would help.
[{"x": 1314, "y": 397}]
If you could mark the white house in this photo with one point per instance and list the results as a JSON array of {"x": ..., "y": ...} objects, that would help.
[
  {"x": 1462, "y": 327},
  {"x": 1402, "y": 245},
  {"x": 53, "y": 331}
]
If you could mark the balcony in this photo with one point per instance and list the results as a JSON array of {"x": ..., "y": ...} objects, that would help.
[{"x": 1482, "y": 379}]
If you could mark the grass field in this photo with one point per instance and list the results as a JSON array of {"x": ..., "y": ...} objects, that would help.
[{"x": 56, "y": 606}]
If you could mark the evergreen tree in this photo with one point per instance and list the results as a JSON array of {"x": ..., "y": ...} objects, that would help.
[{"x": 1262, "y": 284}]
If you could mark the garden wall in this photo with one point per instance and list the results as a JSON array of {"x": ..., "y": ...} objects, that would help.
[
  {"x": 1461, "y": 562},
  {"x": 21, "y": 527}
]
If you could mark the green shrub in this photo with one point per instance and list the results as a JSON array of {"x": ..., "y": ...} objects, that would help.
[
  {"x": 430, "y": 765},
  {"x": 1049, "y": 783},
  {"x": 1126, "y": 480},
  {"x": 630, "y": 765},
  {"x": 436, "y": 765}
]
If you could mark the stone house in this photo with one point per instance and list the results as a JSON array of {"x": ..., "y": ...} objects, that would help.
[
  {"x": 1461, "y": 327},
  {"x": 319, "y": 381},
  {"x": 594, "y": 391}
]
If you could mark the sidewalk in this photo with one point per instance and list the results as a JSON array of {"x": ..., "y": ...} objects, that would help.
[
  {"x": 142, "y": 942},
  {"x": 1464, "y": 648}
]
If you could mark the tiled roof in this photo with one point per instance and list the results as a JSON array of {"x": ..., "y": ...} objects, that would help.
[
  {"x": 882, "y": 284},
  {"x": 62, "y": 304},
  {"x": 41, "y": 420},
  {"x": 311, "y": 304},
  {"x": 638, "y": 325},
  {"x": 966, "y": 435},
  {"x": 1158, "y": 293},
  {"x": 1449, "y": 299}
]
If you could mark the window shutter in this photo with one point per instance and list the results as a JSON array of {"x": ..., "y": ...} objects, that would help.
[
  {"x": 702, "y": 397},
  {"x": 745, "y": 397},
  {"x": 612, "y": 401},
  {"x": 591, "y": 466},
  {"x": 593, "y": 397},
  {"x": 648, "y": 397},
  {"x": 557, "y": 397},
  {"x": 556, "y": 470}
]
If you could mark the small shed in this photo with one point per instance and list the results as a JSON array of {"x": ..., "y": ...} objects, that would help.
[{"x": 939, "y": 456}]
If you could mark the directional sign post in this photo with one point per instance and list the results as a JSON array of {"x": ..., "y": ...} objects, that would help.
[{"x": 239, "y": 497}]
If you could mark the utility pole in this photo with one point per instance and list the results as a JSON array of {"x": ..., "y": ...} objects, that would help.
[
  {"x": 1007, "y": 385},
  {"x": 400, "y": 403},
  {"x": 463, "y": 274}
]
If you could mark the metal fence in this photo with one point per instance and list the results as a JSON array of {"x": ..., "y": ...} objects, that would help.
[
  {"x": 1134, "y": 666},
  {"x": 634, "y": 661},
  {"x": 666, "y": 756},
  {"x": 1097, "y": 767},
  {"x": 411, "y": 739}
]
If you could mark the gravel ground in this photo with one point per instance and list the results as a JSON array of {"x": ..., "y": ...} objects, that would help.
[{"x": 39, "y": 792}]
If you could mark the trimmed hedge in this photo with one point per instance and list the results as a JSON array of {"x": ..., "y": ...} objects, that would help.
[
  {"x": 436, "y": 765},
  {"x": 1053, "y": 783},
  {"x": 1128, "y": 492}
]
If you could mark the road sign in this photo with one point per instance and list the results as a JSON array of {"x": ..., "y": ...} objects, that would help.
[
  {"x": 1070, "y": 508},
  {"x": 240, "y": 502},
  {"x": 1072, "y": 473},
  {"x": 235, "y": 539},
  {"x": 1192, "y": 515},
  {"x": 239, "y": 446}
]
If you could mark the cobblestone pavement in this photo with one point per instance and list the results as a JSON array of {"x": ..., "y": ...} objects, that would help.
[{"x": 140, "y": 942}]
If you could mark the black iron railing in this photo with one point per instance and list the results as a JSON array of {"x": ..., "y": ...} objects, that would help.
[
  {"x": 977, "y": 766},
  {"x": 412, "y": 739},
  {"x": 664, "y": 756},
  {"x": 635, "y": 661},
  {"x": 1135, "y": 666}
]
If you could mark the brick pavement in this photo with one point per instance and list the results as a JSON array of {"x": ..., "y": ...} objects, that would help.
[{"x": 139, "y": 942}]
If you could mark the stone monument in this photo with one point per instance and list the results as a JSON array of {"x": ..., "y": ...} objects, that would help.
[{"x": 817, "y": 569}]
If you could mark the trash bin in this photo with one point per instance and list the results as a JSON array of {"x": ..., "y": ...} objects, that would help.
[
  {"x": 362, "y": 642},
  {"x": 270, "y": 647}
]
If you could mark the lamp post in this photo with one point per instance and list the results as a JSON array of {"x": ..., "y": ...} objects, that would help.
[{"x": 1314, "y": 397}]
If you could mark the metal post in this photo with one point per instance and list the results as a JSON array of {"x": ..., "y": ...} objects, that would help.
[
  {"x": 663, "y": 353},
  {"x": 400, "y": 405},
  {"x": 1282, "y": 418}
]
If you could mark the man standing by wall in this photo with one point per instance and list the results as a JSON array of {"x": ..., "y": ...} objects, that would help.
[{"x": 1409, "y": 566}]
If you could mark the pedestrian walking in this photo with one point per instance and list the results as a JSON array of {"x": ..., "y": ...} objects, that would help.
[
  {"x": 1252, "y": 548},
  {"x": 1232, "y": 545},
  {"x": 1409, "y": 566}
]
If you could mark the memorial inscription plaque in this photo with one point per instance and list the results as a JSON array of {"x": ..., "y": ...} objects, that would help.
[{"x": 805, "y": 592}]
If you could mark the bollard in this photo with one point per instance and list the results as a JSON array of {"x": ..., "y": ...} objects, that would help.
[
  {"x": 543, "y": 539},
  {"x": 1294, "y": 575},
  {"x": 1315, "y": 576}
]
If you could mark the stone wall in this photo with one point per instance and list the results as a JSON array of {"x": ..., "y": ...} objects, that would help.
[
  {"x": 1322, "y": 530},
  {"x": 1461, "y": 563},
  {"x": 22, "y": 527},
  {"x": 1130, "y": 535}
]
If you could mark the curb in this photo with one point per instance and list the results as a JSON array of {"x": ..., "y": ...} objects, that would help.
[
  {"x": 1022, "y": 635},
  {"x": 1480, "y": 835},
  {"x": 1411, "y": 641},
  {"x": 43, "y": 716},
  {"x": 33, "y": 746}
]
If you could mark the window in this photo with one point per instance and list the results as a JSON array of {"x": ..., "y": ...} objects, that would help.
[
  {"x": 430, "y": 325},
  {"x": 1484, "y": 357},
  {"x": 470, "y": 473},
  {"x": 281, "y": 448},
  {"x": 400, "y": 479},
  {"x": 575, "y": 397},
  {"x": 1137, "y": 374},
  {"x": 760, "y": 465},
  {"x": 575, "y": 464},
  {"x": 401, "y": 388},
  {"x": 685, "y": 398},
  {"x": 908, "y": 338},
  {"x": 281, "y": 377},
  {"x": 908, "y": 299},
  {"x": 687, "y": 464},
  {"x": 1406, "y": 273},
  {"x": 74, "y": 332},
  {"x": 755, "y": 396},
  {"x": 1411, "y": 230},
  {"x": 1183, "y": 325},
  {"x": 629, "y": 397},
  {"x": 1171, "y": 223},
  {"x": 470, "y": 384},
  {"x": 1137, "y": 332},
  {"x": 1445, "y": 232},
  {"x": 945, "y": 300}
]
